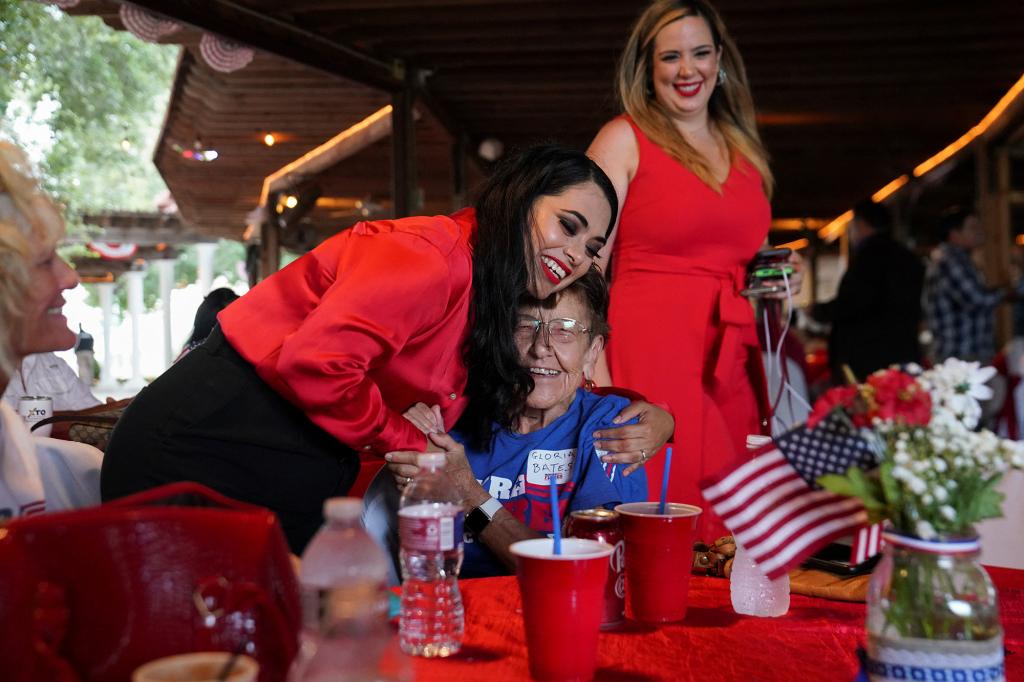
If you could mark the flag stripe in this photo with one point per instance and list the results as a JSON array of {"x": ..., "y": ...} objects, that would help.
[
  {"x": 784, "y": 495},
  {"x": 717, "y": 487},
  {"x": 794, "y": 553},
  {"x": 752, "y": 488},
  {"x": 792, "y": 515}
]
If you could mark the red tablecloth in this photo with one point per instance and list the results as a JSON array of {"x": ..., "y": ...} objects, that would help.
[{"x": 816, "y": 640}]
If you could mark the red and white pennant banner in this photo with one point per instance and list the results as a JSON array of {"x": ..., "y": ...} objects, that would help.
[{"x": 146, "y": 25}]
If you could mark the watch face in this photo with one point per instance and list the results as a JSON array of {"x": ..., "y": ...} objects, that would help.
[{"x": 476, "y": 521}]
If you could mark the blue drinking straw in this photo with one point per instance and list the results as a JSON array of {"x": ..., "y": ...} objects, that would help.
[
  {"x": 664, "y": 480},
  {"x": 556, "y": 524}
]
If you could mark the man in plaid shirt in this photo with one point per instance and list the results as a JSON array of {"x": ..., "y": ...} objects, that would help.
[{"x": 958, "y": 304}]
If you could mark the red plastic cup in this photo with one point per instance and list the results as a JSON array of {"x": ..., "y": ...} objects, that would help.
[
  {"x": 563, "y": 603},
  {"x": 659, "y": 555}
]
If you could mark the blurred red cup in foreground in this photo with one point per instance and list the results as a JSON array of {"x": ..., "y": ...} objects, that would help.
[
  {"x": 563, "y": 603},
  {"x": 659, "y": 555}
]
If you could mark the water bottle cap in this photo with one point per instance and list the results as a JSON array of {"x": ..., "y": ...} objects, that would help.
[
  {"x": 431, "y": 459},
  {"x": 343, "y": 508},
  {"x": 755, "y": 441}
]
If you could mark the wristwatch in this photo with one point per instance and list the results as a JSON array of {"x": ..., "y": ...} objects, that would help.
[{"x": 479, "y": 517}]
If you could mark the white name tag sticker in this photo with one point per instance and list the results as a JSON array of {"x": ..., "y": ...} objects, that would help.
[{"x": 542, "y": 464}]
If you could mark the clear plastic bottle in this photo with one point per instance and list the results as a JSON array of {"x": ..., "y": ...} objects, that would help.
[
  {"x": 345, "y": 632},
  {"x": 753, "y": 594},
  {"x": 430, "y": 534}
]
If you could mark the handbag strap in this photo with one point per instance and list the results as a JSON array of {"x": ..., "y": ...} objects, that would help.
[{"x": 92, "y": 420}]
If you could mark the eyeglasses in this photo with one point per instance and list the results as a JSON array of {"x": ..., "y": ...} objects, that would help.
[{"x": 562, "y": 331}]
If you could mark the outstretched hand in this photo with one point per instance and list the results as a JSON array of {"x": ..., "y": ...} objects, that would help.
[{"x": 635, "y": 444}]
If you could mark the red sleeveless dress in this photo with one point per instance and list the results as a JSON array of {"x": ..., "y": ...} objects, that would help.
[{"x": 680, "y": 331}]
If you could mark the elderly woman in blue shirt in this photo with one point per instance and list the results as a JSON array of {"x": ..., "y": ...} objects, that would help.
[{"x": 502, "y": 471}]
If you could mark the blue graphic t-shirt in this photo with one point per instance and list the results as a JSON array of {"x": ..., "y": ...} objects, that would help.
[{"x": 516, "y": 468}]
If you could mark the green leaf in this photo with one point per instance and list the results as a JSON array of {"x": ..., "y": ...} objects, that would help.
[
  {"x": 855, "y": 483},
  {"x": 835, "y": 483},
  {"x": 867, "y": 488},
  {"x": 890, "y": 486}
]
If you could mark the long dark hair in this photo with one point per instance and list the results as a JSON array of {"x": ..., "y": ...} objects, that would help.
[{"x": 503, "y": 260}]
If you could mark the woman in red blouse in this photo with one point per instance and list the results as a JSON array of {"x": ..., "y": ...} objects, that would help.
[{"x": 322, "y": 358}]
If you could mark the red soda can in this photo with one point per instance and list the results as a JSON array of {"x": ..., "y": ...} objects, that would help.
[{"x": 603, "y": 525}]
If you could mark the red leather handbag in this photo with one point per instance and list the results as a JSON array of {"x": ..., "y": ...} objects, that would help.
[{"x": 94, "y": 593}]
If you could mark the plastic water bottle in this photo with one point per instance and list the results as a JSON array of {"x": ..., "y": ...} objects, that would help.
[
  {"x": 345, "y": 633},
  {"x": 430, "y": 536},
  {"x": 753, "y": 594}
]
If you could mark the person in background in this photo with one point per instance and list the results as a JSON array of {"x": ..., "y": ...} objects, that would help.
[
  {"x": 36, "y": 474},
  {"x": 876, "y": 314},
  {"x": 45, "y": 374},
  {"x": 960, "y": 306},
  {"x": 693, "y": 183},
  {"x": 206, "y": 318},
  {"x": 321, "y": 360},
  {"x": 498, "y": 470}
]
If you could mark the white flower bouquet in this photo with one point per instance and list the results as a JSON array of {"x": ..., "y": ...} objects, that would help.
[{"x": 937, "y": 474}]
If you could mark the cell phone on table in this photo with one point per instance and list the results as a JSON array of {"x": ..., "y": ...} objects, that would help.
[
  {"x": 769, "y": 265},
  {"x": 835, "y": 558}
]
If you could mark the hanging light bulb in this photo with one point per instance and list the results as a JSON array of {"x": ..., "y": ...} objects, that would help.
[{"x": 269, "y": 139}]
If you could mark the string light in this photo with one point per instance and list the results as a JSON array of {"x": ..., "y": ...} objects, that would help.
[
  {"x": 881, "y": 194},
  {"x": 831, "y": 231},
  {"x": 795, "y": 245},
  {"x": 269, "y": 139}
]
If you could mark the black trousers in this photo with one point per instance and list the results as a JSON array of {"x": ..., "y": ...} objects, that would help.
[{"x": 212, "y": 420}]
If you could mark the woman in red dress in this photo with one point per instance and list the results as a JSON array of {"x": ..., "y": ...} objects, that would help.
[{"x": 693, "y": 184}]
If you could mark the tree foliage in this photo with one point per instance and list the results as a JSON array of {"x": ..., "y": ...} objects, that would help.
[{"x": 86, "y": 101}]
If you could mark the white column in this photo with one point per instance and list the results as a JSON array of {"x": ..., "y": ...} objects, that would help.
[
  {"x": 165, "y": 269},
  {"x": 204, "y": 254},
  {"x": 106, "y": 291},
  {"x": 135, "y": 278}
]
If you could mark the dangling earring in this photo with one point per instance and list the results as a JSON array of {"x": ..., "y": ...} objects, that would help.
[
  {"x": 721, "y": 75},
  {"x": 588, "y": 384}
]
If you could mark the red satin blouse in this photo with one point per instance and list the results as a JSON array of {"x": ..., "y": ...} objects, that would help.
[{"x": 364, "y": 326}]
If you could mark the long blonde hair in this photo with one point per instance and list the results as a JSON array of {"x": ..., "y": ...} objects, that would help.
[
  {"x": 731, "y": 107},
  {"x": 29, "y": 222}
]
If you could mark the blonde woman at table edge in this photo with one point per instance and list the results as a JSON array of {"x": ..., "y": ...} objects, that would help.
[
  {"x": 693, "y": 184},
  {"x": 36, "y": 474}
]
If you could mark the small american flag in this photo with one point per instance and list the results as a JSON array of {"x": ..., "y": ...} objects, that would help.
[
  {"x": 867, "y": 542},
  {"x": 772, "y": 505}
]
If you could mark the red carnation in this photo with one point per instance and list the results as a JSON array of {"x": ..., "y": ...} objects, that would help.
[
  {"x": 841, "y": 396},
  {"x": 898, "y": 397}
]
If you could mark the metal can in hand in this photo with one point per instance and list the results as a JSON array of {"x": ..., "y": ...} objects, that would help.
[{"x": 603, "y": 525}]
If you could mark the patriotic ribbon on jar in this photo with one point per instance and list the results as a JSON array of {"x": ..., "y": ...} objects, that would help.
[
  {"x": 224, "y": 55},
  {"x": 146, "y": 25}
]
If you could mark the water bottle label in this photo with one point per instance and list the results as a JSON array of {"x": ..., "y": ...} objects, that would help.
[{"x": 430, "y": 534}]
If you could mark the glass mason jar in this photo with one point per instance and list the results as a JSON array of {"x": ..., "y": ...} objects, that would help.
[{"x": 932, "y": 613}]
